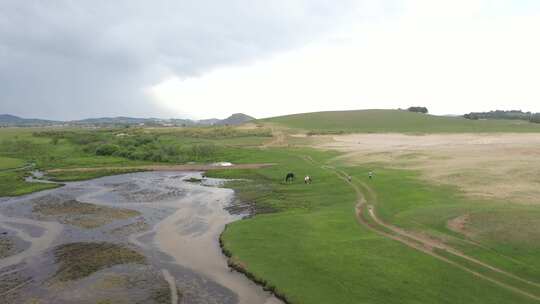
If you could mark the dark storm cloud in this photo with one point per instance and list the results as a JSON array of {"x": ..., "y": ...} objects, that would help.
[{"x": 71, "y": 59}]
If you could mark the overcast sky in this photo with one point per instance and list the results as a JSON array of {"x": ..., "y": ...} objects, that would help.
[{"x": 201, "y": 59}]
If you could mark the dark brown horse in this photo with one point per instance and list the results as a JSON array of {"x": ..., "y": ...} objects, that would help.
[{"x": 289, "y": 177}]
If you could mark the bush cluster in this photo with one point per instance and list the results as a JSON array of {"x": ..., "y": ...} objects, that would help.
[
  {"x": 418, "y": 109},
  {"x": 500, "y": 114}
]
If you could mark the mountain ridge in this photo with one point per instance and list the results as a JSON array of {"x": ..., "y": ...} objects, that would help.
[{"x": 234, "y": 119}]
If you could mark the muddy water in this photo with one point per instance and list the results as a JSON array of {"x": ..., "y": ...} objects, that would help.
[
  {"x": 183, "y": 222},
  {"x": 189, "y": 235},
  {"x": 38, "y": 244}
]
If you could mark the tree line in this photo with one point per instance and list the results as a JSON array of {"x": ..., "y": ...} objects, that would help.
[{"x": 501, "y": 114}]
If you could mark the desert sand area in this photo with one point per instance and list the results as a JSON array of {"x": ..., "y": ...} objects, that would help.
[{"x": 503, "y": 166}]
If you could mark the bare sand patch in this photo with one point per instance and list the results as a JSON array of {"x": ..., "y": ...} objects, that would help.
[
  {"x": 502, "y": 166},
  {"x": 459, "y": 224}
]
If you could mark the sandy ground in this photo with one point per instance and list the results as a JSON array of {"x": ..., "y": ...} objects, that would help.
[{"x": 500, "y": 166}]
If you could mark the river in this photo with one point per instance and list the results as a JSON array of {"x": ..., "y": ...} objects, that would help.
[{"x": 177, "y": 230}]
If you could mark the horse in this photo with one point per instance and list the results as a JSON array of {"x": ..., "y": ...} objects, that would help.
[{"x": 289, "y": 177}]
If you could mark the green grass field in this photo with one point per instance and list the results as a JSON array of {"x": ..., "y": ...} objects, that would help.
[
  {"x": 10, "y": 163},
  {"x": 314, "y": 251},
  {"x": 510, "y": 231},
  {"x": 53, "y": 148},
  {"x": 13, "y": 184},
  {"x": 399, "y": 121}
]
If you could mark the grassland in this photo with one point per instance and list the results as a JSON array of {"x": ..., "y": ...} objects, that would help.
[
  {"x": 314, "y": 251},
  {"x": 13, "y": 184},
  {"x": 10, "y": 163},
  {"x": 306, "y": 241},
  {"x": 119, "y": 148},
  {"x": 393, "y": 121},
  {"x": 70, "y": 176},
  {"x": 504, "y": 234}
]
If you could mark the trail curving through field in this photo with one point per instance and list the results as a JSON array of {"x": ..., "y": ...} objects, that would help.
[
  {"x": 278, "y": 139},
  {"x": 420, "y": 243}
]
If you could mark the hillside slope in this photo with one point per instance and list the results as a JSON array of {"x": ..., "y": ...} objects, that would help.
[
  {"x": 384, "y": 121},
  {"x": 235, "y": 119},
  {"x": 9, "y": 120}
]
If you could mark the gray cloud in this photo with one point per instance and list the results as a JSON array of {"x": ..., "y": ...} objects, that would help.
[{"x": 72, "y": 59}]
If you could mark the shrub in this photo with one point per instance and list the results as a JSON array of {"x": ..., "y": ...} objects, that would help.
[
  {"x": 199, "y": 151},
  {"x": 107, "y": 149},
  {"x": 418, "y": 109}
]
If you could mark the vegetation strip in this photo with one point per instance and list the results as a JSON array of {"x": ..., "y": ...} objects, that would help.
[{"x": 167, "y": 168}]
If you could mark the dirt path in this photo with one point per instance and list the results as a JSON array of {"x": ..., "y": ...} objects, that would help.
[
  {"x": 167, "y": 168},
  {"x": 420, "y": 243},
  {"x": 426, "y": 245},
  {"x": 278, "y": 139}
]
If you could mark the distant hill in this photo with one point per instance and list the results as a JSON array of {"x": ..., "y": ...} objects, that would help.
[
  {"x": 12, "y": 120},
  {"x": 235, "y": 119},
  {"x": 209, "y": 122},
  {"x": 399, "y": 121},
  {"x": 114, "y": 120}
]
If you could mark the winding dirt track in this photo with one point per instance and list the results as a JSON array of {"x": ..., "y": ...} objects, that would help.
[
  {"x": 278, "y": 139},
  {"x": 423, "y": 244}
]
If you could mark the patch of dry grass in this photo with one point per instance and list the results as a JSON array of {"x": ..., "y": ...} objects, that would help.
[
  {"x": 78, "y": 260},
  {"x": 495, "y": 166},
  {"x": 81, "y": 214},
  {"x": 7, "y": 247}
]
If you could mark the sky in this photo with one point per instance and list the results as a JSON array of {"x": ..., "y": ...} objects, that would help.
[{"x": 63, "y": 59}]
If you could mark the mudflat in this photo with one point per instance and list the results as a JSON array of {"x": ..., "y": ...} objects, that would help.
[{"x": 150, "y": 237}]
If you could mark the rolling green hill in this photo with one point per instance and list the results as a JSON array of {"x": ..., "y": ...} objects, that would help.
[{"x": 382, "y": 121}]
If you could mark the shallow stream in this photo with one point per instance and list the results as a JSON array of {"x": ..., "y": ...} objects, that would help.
[{"x": 176, "y": 227}]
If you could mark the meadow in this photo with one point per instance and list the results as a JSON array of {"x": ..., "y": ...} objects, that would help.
[
  {"x": 64, "y": 148},
  {"x": 393, "y": 121},
  {"x": 306, "y": 242},
  {"x": 312, "y": 249}
]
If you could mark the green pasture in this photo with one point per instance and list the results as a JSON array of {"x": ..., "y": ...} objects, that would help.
[
  {"x": 394, "y": 121},
  {"x": 311, "y": 248},
  {"x": 507, "y": 234}
]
